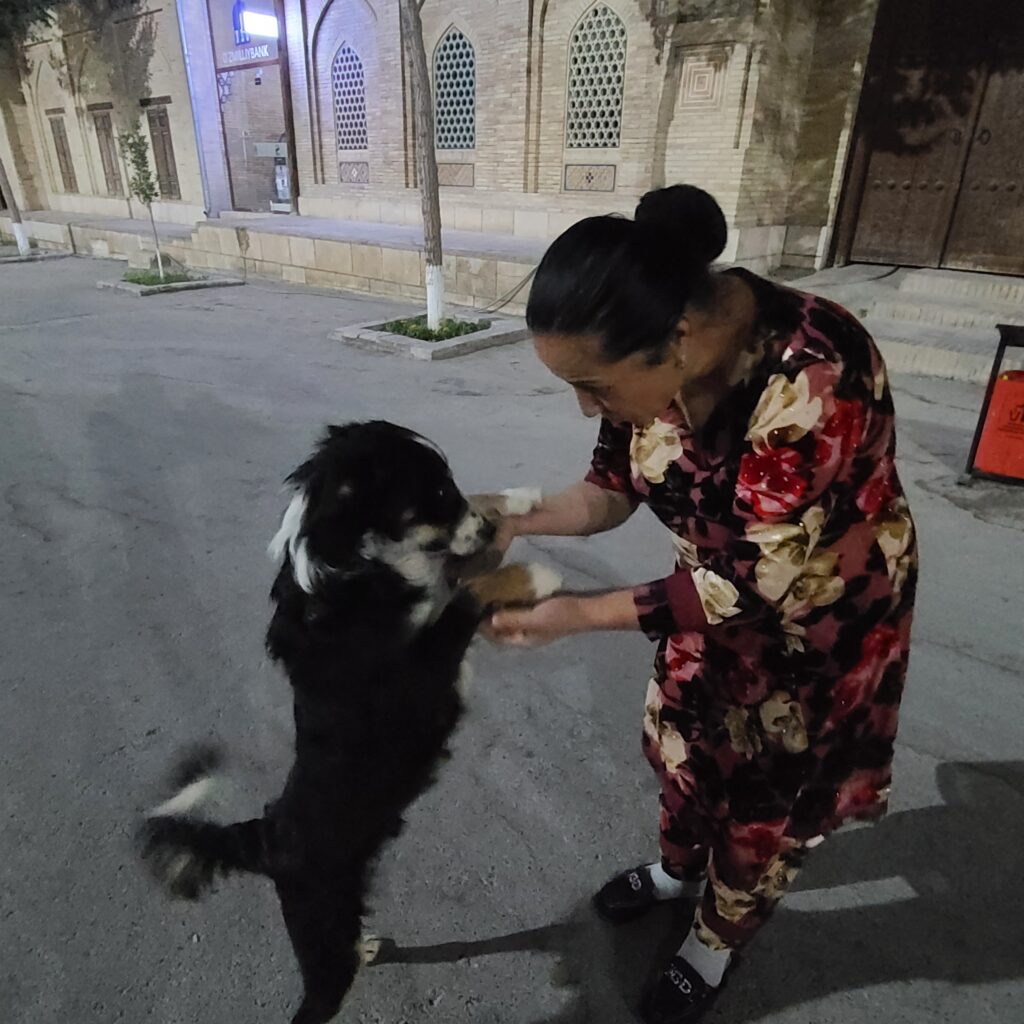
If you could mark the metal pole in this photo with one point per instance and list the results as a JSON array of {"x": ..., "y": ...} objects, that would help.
[
  {"x": 190, "y": 81},
  {"x": 286, "y": 99}
]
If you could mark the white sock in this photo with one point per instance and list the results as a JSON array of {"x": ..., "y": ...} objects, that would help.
[
  {"x": 666, "y": 887},
  {"x": 709, "y": 963}
]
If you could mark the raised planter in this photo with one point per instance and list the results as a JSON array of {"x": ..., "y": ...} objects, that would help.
[
  {"x": 372, "y": 336},
  {"x": 142, "y": 290}
]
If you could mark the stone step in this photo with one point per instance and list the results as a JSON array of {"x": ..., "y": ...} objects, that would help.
[
  {"x": 960, "y": 284},
  {"x": 964, "y": 353},
  {"x": 947, "y": 311}
]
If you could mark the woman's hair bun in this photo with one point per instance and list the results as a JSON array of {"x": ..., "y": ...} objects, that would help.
[{"x": 689, "y": 216}]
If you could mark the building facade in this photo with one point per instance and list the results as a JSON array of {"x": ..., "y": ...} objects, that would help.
[
  {"x": 69, "y": 91},
  {"x": 830, "y": 130}
]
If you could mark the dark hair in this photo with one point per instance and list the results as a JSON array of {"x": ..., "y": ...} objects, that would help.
[{"x": 629, "y": 281}]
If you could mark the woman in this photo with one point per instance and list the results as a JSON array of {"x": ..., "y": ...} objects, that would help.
[{"x": 757, "y": 424}]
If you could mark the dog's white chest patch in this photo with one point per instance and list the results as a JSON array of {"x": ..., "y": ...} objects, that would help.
[{"x": 419, "y": 567}]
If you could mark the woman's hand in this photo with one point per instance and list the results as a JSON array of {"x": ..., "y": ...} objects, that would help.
[
  {"x": 562, "y": 616},
  {"x": 542, "y": 624}
]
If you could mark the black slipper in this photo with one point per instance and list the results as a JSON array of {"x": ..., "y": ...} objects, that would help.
[
  {"x": 627, "y": 896},
  {"x": 679, "y": 996}
]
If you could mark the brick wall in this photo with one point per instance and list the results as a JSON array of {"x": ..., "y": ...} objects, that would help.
[{"x": 750, "y": 101}]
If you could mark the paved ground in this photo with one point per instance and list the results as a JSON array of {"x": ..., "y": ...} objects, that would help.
[{"x": 143, "y": 443}]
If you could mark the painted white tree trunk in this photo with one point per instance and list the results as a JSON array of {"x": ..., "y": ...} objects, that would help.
[
  {"x": 156, "y": 242},
  {"x": 12, "y": 208},
  {"x": 426, "y": 158},
  {"x": 435, "y": 296},
  {"x": 21, "y": 238}
]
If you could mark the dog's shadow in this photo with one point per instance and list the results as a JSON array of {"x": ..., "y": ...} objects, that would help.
[{"x": 948, "y": 878}]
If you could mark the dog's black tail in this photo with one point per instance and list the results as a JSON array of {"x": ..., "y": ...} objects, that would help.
[{"x": 183, "y": 850}]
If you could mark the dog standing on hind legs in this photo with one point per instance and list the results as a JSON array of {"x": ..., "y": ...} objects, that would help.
[{"x": 371, "y": 627}]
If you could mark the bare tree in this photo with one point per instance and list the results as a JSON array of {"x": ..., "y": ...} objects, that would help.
[{"x": 426, "y": 158}]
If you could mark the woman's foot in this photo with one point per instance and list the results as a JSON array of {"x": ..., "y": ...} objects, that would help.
[
  {"x": 632, "y": 893},
  {"x": 679, "y": 996},
  {"x": 689, "y": 984}
]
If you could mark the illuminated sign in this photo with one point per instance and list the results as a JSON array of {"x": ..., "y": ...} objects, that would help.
[{"x": 254, "y": 33}]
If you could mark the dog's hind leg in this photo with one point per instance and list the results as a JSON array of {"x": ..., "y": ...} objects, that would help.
[{"x": 324, "y": 927}]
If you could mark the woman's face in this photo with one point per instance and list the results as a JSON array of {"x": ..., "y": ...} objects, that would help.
[{"x": 629, "y": 391}]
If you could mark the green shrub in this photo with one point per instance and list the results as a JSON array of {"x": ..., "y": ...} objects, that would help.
[
  {"x": 416, "y": 327},
  {"x": 151, "y": 277}
]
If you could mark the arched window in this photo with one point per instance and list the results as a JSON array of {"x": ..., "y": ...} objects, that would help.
[
  {"x": 597, "y": 70},
  {"x": 349, "y": 85},
  {"x": 455, "y": 92}
]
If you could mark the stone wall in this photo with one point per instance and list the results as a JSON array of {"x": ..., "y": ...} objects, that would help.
[{"x": 77, "y": 68}]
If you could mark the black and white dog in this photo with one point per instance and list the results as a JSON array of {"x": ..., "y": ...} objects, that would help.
[{"x": 372, "y": 632}]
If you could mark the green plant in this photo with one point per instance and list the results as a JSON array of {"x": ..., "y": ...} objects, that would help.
[
  {"x": 140, "y": 179},
  {"x": 147, "y": 277},
  {"x": 416, "y": 327}
]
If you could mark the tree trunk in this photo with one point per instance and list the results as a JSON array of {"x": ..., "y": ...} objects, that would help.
[
  {"x": 426, "y": 159},
  {"x": 156, "y": 242},
  {"x": 12, "y": 206},
  {"x": 668, "y": 103}
]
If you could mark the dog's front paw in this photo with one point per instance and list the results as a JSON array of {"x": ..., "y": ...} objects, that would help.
[
  {"x": 514, "y": 586},
  {"x": 368, "y": 949},
  {"x": 176, "y": 867},
  {"x": 516, "y": 501}
]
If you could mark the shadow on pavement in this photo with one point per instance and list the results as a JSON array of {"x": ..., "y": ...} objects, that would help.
[{"x": 963, "y": 860}]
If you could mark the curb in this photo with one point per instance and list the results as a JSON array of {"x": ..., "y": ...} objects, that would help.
[
  {"x": 141, "y": 291},
  {"x": 502, "y": 331},
  {"x": 35, "y": 257}
]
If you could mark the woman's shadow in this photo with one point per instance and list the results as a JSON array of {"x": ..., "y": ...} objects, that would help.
[{"x": 950, "y": 878}]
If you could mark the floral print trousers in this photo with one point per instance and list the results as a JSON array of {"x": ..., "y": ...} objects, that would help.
[
  {"x": 749, "y": 867},
  {"x": 741, "y": 892}
]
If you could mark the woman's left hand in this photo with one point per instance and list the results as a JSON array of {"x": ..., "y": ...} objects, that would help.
[{"x": 542, "y": 624}]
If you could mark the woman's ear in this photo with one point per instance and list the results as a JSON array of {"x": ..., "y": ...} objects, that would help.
[{"x": 679, "y": 342}]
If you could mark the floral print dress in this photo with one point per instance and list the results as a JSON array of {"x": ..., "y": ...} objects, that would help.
[{"x": 783, "y": 633}]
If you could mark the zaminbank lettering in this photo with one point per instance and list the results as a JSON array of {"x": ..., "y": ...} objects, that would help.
[{"x": 246, "y": 54}]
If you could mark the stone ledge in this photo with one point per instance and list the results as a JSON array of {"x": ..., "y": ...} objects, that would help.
[
  {"x": 502, "y": 331},
  {"x": 142, "y": 290},
  {"x": 34, "y": 257}
]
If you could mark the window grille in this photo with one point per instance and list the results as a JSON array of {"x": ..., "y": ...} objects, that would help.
[
  {"x": 597, "y": 70},
  {"x": 349, "y": 84},
  {"x": 455, "y": 92}
]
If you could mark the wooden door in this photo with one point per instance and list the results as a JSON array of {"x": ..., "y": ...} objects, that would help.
[
  {"x": 988, "y": 224},
  {"x": 64, "y": 161},
  {"x": 163, "y": 152},
  {"x": 924, "y": 88},
  {"x": 108, "y": 154}
]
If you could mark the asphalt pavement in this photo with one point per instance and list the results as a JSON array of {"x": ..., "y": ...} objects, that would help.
[{"x": 143, "y": 446}]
